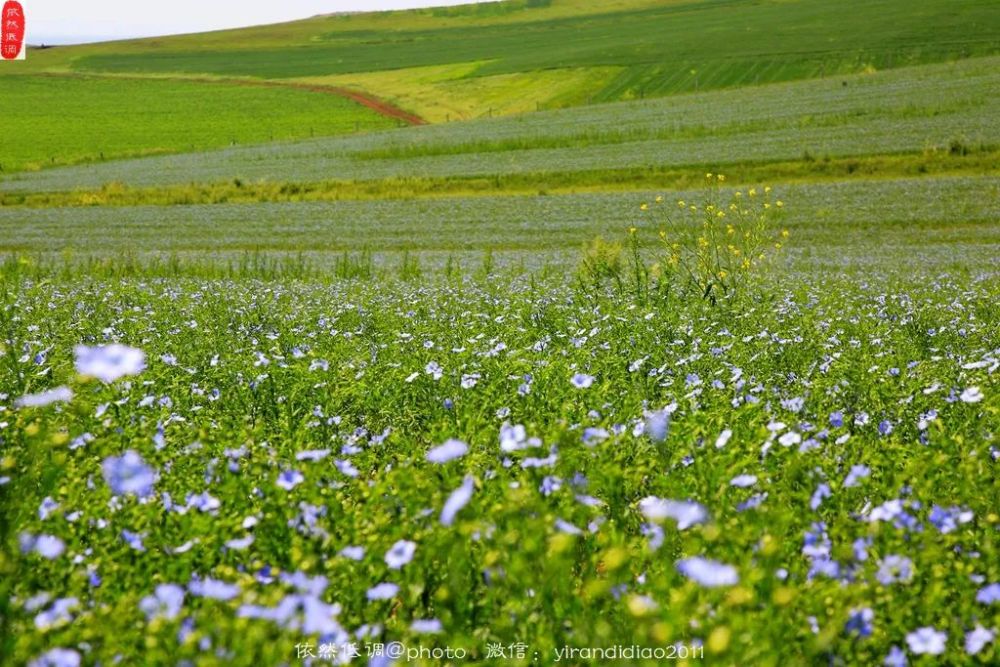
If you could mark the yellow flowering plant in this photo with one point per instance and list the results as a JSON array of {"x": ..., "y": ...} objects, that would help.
[
  {"x": 710, "y": 248},
  {"x": 714, "y": 247}
]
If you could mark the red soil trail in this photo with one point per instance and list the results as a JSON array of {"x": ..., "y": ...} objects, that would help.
[{"x": 376, "y": 104}]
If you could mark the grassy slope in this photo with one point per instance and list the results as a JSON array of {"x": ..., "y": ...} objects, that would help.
[
  {"x": 728, "y": 41},
  {"x": 906, "y": 110},
  {"x": 65, "y": 120},
  {"x": 481, "y": 54},
  {"x": 60, "y": 121},
  {"x": 304, "y": 32},
  {"x": 444, "y": 93}
]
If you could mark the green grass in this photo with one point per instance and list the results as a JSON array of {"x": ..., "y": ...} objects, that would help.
[
  {"x": 909, "y": 110},
  {"x": 729, "y": 43},
  {"x": 303, "y": 32},
  {"x": 634, "y": 50},
  {"x": 57, "y": 120},
  {"x": 448, "y": 93}
]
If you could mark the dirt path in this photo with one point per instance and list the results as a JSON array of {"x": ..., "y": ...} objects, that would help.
[{"x": 376, "y": 104}]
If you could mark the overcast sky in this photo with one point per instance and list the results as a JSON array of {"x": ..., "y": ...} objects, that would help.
[{"x": 72, "y": 21}]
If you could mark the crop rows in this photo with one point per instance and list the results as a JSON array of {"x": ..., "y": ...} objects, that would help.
[{"x": 898, "y": 111}]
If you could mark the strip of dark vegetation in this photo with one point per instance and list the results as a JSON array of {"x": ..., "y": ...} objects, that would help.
[{"x": 958, "y": 159}]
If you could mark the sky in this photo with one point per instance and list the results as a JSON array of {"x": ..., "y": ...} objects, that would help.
[{"x": 74, "y": 21}]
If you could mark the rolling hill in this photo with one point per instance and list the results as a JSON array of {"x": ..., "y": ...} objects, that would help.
[
  {"x": 902, "y": 114},
  {"x": 457, "y": 63}
]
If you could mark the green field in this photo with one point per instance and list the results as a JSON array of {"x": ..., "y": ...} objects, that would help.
[
  {"x": 679, "y": 46},
  {"x": 910, "y": 110},
  {"x": 58, "y": 120},
  {"x": 712, "y": 375},
  {"x": 512, "y": 57},
  {"x": 947, "y": 217},
  {"x": 455, "y": 63}
]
